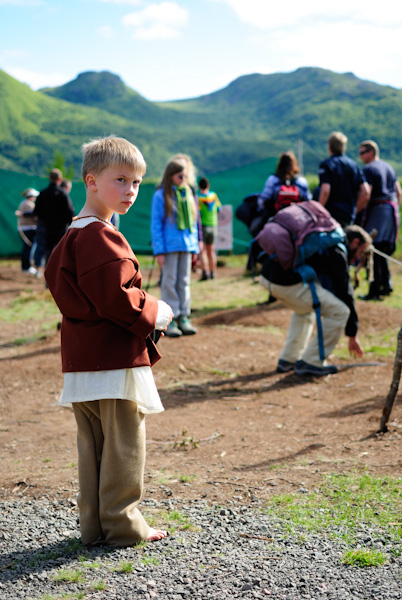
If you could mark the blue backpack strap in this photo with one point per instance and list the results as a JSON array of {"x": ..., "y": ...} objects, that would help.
[
  {"x": 316, "y": 306},
  {"x": 309, "y": 276}
]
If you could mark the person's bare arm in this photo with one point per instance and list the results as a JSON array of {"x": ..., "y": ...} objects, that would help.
[
  {"x": 398, "y": 191},
  {"x": 363, "y": 196},
  {"x": 325, "y": 191}
]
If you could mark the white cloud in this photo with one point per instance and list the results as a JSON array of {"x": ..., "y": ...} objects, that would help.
[
  {"x": 36, "y": 79},
  {"x": 269, "y": 16},
  {"x": 157, "y": 21},
  {"x": 317, "y": 46}
]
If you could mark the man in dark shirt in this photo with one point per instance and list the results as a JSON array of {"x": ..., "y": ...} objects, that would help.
[
  {"x": 343, "y": 188},
  {"x": 337, "y": 305},
  {"x": 54, "y": 210},
  {"x": 381, "y": 214}
]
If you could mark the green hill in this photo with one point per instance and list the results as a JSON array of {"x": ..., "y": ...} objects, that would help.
[
  {"x": 33, "y": 126},
  {"x": 253, "y": 118},
  {"x": 310, "y": 103}
]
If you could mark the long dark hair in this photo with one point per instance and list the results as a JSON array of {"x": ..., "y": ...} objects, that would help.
[{"x": 287, "y": 166}]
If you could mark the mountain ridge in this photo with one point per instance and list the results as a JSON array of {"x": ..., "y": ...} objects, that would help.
[{"x": 256, "y": 116}]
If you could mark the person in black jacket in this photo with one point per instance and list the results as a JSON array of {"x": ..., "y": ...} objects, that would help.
[
  {"x": 54, "y": 210},
  {"x": 337, "y": 305}
]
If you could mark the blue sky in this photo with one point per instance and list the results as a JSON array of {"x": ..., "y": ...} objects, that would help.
[{"x": 178, "y": 49}]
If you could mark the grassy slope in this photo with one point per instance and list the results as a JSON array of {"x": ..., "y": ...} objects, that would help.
[
  {"x": 254, "y": 117},
  {"x": 310, "y": 103}
]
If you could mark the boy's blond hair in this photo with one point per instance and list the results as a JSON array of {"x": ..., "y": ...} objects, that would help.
[
  {"x": 337, "y": 142},
  {"x": 111, "y": 151}
]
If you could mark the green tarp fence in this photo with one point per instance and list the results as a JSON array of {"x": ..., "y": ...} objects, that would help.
[{"x": 231, "y": 186}]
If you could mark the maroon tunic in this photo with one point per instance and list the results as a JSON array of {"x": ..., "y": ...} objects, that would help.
[{"x": 94, "y": 277}]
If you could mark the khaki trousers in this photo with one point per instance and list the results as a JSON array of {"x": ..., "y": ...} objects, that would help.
[
  {"x": 299, "y": 342},
  {"x": 111, "y": 457}
]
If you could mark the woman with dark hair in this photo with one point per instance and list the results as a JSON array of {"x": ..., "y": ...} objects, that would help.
[{"x": 283, "y": 188}]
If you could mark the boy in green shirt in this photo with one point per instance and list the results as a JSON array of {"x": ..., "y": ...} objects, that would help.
[{"x": 210, "y": 205}]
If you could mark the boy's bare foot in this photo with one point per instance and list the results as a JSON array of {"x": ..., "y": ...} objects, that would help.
[{"x": 155, "y": 534}]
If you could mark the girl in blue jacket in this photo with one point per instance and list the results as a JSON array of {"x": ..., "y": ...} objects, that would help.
[{"x": 174, "y": 232}]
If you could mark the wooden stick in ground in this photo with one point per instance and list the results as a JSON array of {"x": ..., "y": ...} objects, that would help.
[{"x": 396, "y": 377}]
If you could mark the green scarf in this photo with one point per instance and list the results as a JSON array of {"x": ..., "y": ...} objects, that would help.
[{"x": 185, "y": 214}]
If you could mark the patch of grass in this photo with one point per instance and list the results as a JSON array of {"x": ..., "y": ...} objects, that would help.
[
  {"x": 226, "y": 374},
  {"x": 30, "y": 306},
  {"x": 98, "y": 585},
  {"x": 172, "y": 520},
  {"x": 22, "y": 341},
  {"x": 226, "y": 293},
  {"x": 168, "y": 477},
  {"x": 126, "y": 567},
  {"x": 150, "y": 560},
  {"x": 69, "y": 576},
  {"x": 378, "y": 345},
  {"x": 88, "y": 564},
  {"x": 342, "y": 504},
  {"x": 364, "y": 558}
]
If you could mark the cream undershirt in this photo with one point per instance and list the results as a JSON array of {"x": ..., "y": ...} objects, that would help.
[{"x": 136, "y": 384}]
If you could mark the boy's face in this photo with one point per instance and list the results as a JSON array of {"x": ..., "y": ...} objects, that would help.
[{"x": 113, "y": 190}]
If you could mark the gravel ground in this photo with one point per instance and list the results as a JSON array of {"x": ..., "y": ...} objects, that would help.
[{"x": 215, "y": 552}]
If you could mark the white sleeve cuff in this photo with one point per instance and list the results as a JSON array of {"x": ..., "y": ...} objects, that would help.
[{"x": 164, "y": 315}]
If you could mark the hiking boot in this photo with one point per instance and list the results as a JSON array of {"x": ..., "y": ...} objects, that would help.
[
  {"x": 173, "y": 330},
  {"x": 204, "y": 276},
  {"x": 303, "y": 368},
  {"x": 184, "y": 325},
  {"x": 284, "y": 366},
  {"x": 369, "y": 297}
]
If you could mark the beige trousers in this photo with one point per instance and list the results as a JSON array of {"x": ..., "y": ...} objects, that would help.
[
  {"x": 111, "y": 457},
  {"x": 299, "y": 342}
]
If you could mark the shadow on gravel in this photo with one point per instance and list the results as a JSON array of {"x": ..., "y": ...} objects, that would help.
[{"x": 20, "y": 564}]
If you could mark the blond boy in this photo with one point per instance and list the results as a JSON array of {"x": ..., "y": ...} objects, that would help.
[{"x": 106, "y": 348}]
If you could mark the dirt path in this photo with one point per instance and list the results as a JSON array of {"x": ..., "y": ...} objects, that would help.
[{"x": 232, "y": 426}]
